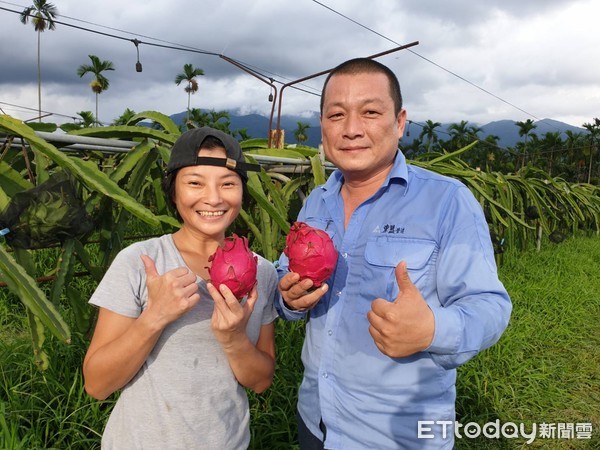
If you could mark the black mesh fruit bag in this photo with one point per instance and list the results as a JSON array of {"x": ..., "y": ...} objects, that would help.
[{"x": 45, "y": 215}]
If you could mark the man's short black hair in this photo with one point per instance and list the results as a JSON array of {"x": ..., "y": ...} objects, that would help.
[{"x": 366, "y": 65}]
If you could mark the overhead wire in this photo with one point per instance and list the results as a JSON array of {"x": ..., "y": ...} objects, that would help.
[
  {"x": 171, "y": 46},
  {"x": 183, "y": 47},
  {"x": 36, "y": 110},
  {"x": 454, "y": 74},
  {"x": 427, "y": 59}
]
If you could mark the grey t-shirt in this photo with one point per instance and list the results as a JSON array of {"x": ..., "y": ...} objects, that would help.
[{"x": 185, "y": 396}]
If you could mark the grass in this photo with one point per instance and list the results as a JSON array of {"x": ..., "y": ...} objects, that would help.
[
  {"x": 544, "y": 369},
  {"x": 50, "y": 409}
]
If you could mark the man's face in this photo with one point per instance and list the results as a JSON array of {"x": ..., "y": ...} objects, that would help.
[{"x": 359, "y": 127}]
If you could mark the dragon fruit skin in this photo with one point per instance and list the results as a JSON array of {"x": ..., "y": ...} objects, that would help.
[
  {"x": 234, "y": 265},
  {"x": 310, "y": 252}
]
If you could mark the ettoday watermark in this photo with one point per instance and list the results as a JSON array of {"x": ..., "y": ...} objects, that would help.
[{"x": 430, "y": 429}]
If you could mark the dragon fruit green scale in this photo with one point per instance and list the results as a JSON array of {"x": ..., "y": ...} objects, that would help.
[
  {"x": 234, "y": 265},
  {"x": 310, "y": 252}
]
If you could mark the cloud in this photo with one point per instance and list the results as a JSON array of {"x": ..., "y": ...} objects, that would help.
[{"x": 540, "y": 56}]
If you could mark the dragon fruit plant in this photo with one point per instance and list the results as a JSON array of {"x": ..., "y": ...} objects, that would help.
[
  {"x": 311, "y": 253},
  {"x": 234, "y": 265}
]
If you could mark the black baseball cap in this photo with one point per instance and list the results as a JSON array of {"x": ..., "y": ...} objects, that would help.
[{"x": 185, "y": 152}]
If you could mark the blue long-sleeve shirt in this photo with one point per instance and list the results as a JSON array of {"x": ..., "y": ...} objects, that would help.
[{"x": 366, "y": 399}]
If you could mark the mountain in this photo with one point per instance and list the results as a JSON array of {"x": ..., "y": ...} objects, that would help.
[
  {"x": 257, "y": 126},
  {"x": 508, "y": 131}
]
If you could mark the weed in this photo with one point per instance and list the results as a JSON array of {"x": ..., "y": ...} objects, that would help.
[{"x": 544, "y": 368}]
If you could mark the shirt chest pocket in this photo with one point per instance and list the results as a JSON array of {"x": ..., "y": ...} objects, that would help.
[{"x": 383, "y": 254}]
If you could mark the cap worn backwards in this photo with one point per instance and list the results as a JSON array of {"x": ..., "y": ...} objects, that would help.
[{"x": 185, "y": 152}]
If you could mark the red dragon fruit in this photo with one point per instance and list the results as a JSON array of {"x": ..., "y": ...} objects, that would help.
[
  {"x": 310, "y": 252},
  {"x": 234, "y": 265}
]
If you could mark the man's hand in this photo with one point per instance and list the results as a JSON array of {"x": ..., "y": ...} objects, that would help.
[
  {"x": 406, "y": 325},
  {"x": 296, "y": 293}
]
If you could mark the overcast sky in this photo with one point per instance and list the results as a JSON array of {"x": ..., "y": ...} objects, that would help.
[{"x": 478, "y": 61}]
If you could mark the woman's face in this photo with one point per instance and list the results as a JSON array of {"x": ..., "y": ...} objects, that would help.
[{"x": 208, "y": 198}]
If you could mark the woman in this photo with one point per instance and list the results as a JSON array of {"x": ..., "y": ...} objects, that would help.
[{"x": 181, "y": 351}]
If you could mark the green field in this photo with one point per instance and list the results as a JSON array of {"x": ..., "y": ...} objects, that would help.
[{"x": 544, "y": 370}]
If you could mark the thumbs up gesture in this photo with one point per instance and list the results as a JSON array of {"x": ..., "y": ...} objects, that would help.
[
  {"x": 406, "y": 325},
  {"x": 170, "y": 295}
]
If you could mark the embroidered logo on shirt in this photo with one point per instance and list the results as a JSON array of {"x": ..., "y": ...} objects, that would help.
[{"x": 389, "y": 228}]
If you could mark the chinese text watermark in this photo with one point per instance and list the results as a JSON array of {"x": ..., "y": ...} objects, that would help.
[{"x": 429, "y": 429}]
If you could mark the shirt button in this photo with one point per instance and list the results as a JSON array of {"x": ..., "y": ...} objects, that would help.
[
  {"x": 329, "y": 332},
  {"x": 325, "y": 375},
  {"x": 345, "y": 255},
  {"x": 338, "y": 293}
]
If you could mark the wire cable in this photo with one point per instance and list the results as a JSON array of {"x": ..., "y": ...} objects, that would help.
[
  {"x": 182, "y": 47},
  {"x": 428, "y": 60},
  {"x": 171, "y": 46}
]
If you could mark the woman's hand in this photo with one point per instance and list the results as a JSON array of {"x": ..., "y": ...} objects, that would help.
[
  {"x": 170, "y": 295},
  {"x": 252, "y": 364},
  {"x": 230, "y": 316}
]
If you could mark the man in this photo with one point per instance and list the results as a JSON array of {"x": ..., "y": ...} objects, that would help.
[{"x": 415, "y": 292}]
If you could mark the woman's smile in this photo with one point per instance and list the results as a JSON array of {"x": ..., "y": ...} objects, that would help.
[{"x": 211, "y": 213}]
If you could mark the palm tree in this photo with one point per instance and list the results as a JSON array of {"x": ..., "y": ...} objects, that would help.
[
  {"x": 460, "y": 133},
  {"x": 243, "y": 133},
  {"x": 594, "y": 129},
  {"x": 575, "y": 160},
  {"x": 124, "y": 118},
  {"x": 220, "y": 120},
  {"x": 215, "y": 119},
  {"x": 474, "y": 131},
  {"x": 189, "y": 74},
  {"x": 87, "y": 119},
  {"x": 197, "y": 117},
  {"x": 300, "y": 132},
  {"x": 428, "y": 132},
  {"x": 100, "y": 83},
  {"x": 42, "y": 16},
  {"x": 551, "y": 143},
  {"x": 489, "y": 150},
  {"x": 525, "y": 129}
]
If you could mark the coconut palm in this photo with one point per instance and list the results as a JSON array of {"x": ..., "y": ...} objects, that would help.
[
  {"x": 42, "y": 16},
  {"x": 100, "y": 83},
  {"x": 189, "y": 75}
]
